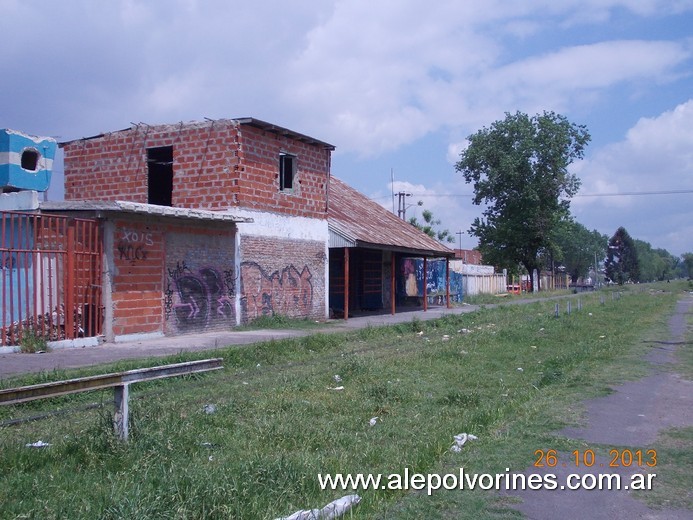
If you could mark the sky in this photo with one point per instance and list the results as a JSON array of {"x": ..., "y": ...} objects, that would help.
[{"x": 396, "y": 85}]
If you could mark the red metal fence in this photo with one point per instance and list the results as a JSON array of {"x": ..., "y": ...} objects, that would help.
[{"x": 51, "y": 277}]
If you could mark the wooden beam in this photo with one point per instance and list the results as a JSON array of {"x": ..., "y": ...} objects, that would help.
[
  {"x": 346, "y": 283},
  {"x": 393, "y": 272},
  {"x": 447, "y": 282},
  {"x": 425, "y": 279}
]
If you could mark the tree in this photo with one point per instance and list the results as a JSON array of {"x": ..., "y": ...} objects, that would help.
[
  {"x": 579, "y": 248},
  {"x": 429, "y": 224},
  {"x": 655, "y": 264},
  {"x": 519, "y": 167},
  {"x": 688, "y": 264},
  {"x": 622, "y": 258}
]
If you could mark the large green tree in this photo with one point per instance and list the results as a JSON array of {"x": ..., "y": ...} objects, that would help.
[
  {"x": 579, "y": 248},
  {"x": 519, "y": 168},
  {"x": 622, "y": 258}
]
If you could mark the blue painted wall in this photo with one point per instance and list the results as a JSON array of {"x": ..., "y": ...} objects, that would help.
[{"x": 13, "y": 145}]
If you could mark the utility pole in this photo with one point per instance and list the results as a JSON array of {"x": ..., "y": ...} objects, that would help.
[
  {"x": 402, "y": 207},
  {"x": 392, "y": 187}
]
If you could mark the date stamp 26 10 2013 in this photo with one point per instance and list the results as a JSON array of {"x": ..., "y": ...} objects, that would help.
[{"x": 586, "y": 458}]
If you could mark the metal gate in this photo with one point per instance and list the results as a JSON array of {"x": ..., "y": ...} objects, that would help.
[{"x": 51, "y": 277}]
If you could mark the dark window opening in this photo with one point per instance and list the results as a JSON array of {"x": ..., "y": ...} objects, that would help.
[
  {"x": 160, "y": 176},
  {"x": 287, "y": 171},
  {"x": 30, "y": 160}
]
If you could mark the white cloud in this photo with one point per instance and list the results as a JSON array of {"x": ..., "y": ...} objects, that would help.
[
  {"x": 374, "y": 77},
  {"x": 656, "y": 155}
]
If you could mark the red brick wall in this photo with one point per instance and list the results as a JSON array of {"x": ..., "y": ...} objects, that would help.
[
  {"x": 111, "y": 167},
  {"x": 258, "y": 176},
  {"x": 137, "y": 281},
  {"x": 216, "y": 165},
  {"x": 172, "y": 278},
  {"x": 284, "y": 277}
]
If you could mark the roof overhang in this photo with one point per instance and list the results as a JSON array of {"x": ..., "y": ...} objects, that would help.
[
  {"x": 139, "y": 208},
  {"x": 339, "y": 238},
  {"x": 269, "y": 127}
]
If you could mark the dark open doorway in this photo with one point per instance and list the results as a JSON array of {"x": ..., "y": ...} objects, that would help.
[{"x": 160, "y": 176}]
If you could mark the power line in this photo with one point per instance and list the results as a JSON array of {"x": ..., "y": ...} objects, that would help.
[
  {"x": 629, "y": 193},
  {"x": 614, "y": 194}
]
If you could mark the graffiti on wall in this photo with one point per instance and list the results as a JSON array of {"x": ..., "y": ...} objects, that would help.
[
  {"x": 288, "y": 291},
  {"x": 435, "y": 283},
  {"x": 413, "y": 273},
  {"x": 197, "y": 298},
  {"x": 133, "y": 245}
]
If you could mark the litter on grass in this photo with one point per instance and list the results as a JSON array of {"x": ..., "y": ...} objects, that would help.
[
  {"x": 373, "y": 421},
  {"x": 337, "y": 388},
  {"x": 210, "y": 409},
  {"x": 333, "y": 510},
  {"x": 38, "y": 444},
  {"x": 460, "y": 441}
]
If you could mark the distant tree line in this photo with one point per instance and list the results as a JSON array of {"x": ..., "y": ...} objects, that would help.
[{"x": 519, "y": 169}]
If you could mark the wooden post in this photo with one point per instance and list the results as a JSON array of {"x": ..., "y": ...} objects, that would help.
[
  {"x": 346, "y": 283},
  {"x": 393, "y": 272},
  {"x": 70, "y": 283},
  {"x": 425, "y": 293},
  {"x": 447, "y": 282},
  {"x": 121, "y": 422}
]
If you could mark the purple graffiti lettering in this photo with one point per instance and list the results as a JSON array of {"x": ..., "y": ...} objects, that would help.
[{"x": 202, "y": 297}]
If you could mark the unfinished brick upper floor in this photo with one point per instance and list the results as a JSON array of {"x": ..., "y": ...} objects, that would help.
[{"x": 214, "y": 165}]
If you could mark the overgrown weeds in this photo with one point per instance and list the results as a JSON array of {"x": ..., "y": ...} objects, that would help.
[{"x": 31, "y": 342}]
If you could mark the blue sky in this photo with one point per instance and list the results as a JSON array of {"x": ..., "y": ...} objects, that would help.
[{"x": 395, "y": 85}]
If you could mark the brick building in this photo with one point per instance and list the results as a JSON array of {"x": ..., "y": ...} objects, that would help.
[
  {"x": 204, "y": 226},
  {"x": 208, "y": 224}
]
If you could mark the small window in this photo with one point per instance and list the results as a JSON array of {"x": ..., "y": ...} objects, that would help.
[
  {"x": 30, "y": 159},
  {"x": 287, "y": 171}
]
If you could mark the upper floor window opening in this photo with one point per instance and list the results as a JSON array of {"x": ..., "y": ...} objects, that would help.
[
  {"x": 287, "y": 171},
  {"x": 160, "y": 176}
]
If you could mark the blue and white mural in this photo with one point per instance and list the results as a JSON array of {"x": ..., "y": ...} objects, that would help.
[{"x": 26, "y": 162}]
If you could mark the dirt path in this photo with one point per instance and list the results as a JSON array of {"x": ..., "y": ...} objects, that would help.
[{"x": 631, "y": 417}]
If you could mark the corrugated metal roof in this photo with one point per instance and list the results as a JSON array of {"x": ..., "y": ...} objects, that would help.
[
  {"x": 139, "y": 208},
  {"x": 356, "y": 218},
  {"x": 337, "y": 239}
]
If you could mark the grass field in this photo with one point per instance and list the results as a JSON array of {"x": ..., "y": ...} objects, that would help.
[{"x": 510, "y": 375}]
